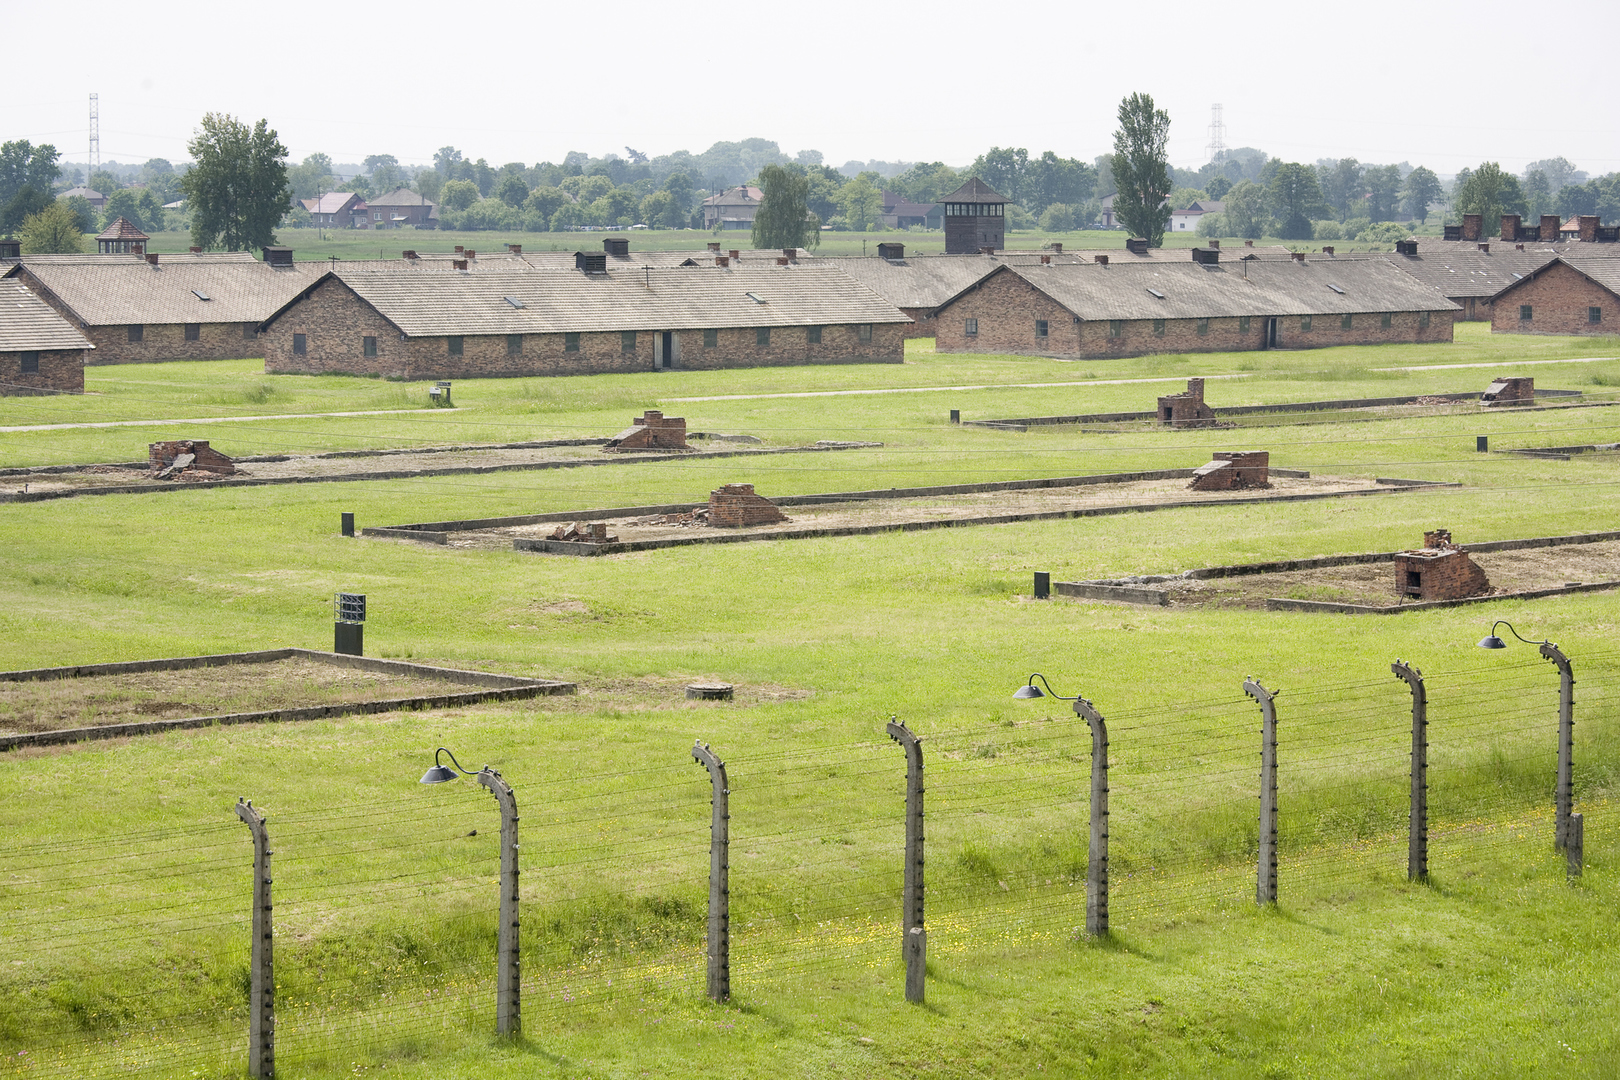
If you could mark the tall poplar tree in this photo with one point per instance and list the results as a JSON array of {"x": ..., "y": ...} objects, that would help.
[
  {"x": 783, "y": 219},
  {"x": 1142, "y": 168},
  {"x": 237, "y": 187}
]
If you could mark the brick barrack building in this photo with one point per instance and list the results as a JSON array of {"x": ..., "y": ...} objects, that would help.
[
  {"x": 455, "y": 323},
  {"x": 155, "y": 308},
  {"x": 1569, "y": 295},
  {"x": 40, "y": 353},
  {"x": 1103, "y": 309}
]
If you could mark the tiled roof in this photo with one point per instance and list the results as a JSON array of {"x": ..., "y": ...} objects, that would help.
[
  {"x": 1471, "y": 272},
  {"x": 399, "y": 197},
  {"x": 1264, "y": 288},
  {"x": 27, "y": 323},
  {"x": 128, "y": 259},
  {"x": 113, "y": 290},
  {"x": 1604, "y": 271},
  {"x": 122, "y": 230},
  {"x": 1153, "y": 255},
  {"x": 673, "y": 298},
  {"x": 334, "y": 202},
  {"x": 974, "y": 191},
  {"x": 924, "y": 281},
  {"x": 737, "y": 196}
]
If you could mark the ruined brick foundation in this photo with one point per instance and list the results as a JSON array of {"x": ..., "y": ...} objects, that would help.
[
  {"x": 170, "y": 459},
  {"x": 651, "y": 431},
  {"x": 1234, "y": 469},
  {"x": 735, "y": 506}
]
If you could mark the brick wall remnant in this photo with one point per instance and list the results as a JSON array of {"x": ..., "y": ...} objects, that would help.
[
  {"x": 170, "y": 460},
  {"x": 735, "y": 506},
  {"x": 1513, "y": 390},
  {"x": 583, "y": 532},
  {"x": 651, "y": 431},
  {"x": 1440, "y": 571},
  {"x": 1234, "y": 469},
  {"x": 1186, "y": 409}
]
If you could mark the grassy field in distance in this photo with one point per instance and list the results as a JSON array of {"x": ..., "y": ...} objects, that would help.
[{"x": 1357, "y": 974}]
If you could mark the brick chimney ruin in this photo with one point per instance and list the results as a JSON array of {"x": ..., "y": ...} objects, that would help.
[
  {"x": 1187, "y": 409},
  {"x": 1234, "y": 469},
  {"x": 1516, "y": 390},
  {"x": 651, "y": 431},
  {"x": 1440, "y": 571},
  {"x": 735, "y": 506}
]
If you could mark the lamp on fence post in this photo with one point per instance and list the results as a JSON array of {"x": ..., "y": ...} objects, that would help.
[
  {"x": 1097, "y": 846},
  {"x": 1565, "y": 798},
  {"x": 508, "y": 1014}
]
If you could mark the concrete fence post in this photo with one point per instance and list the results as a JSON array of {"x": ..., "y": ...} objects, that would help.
[
  {"x": 718, "y": 947},
  {"x": 508, "y": 973},
  {"x": 261, "y": 970},
  {"x": 1575, "y": 845},
  {"x": 914, "y": 939},
  {"x": 1265, "y": 887},
  {"x": 1097, "y": 842},
  {"x": 1417, "y": 840},
  {"x": 1564, "y": 803}
]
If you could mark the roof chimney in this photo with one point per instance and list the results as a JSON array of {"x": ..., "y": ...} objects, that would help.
[
  {"x": 987, "y": 251},
  {"x": 1518, "y": 247},
  {"x": 782, "y": 260},
  {"x": 1136, "y": 245},
  {"x": 1057, "y": 247},
  {"x": 458, "y": 249},
  {"x": 1206, "y": 256},
  {"x": 1550, "y": 228},
  {"x": 1102, "y": 260},
  {"x": 590, "y": 264},
  {"x": 1327, "y": 250},
  {"x": 408, "y": 254},
  {"x": 196, "y": 250},
  {"x": 736, "y": 254},
  {"x": 278, "y": 256},
  {"x": 458, "y": 264},
  {"x": 1406, "y": 247},
  {"x": 617, "y": 246},
  {"x": 1485, "y": 247},
  {"x": 1471, "y": 227},
  {"x": 152, "y": 258},
  {"x": 721, "y": 260},
  {"x": 471, "y": 254},
  {"x": 1588, "y": 224},
  {"x": 1248, "y": 243},
  {"x": 791, "y": 253},
  {"x": 1046, "y": 260},
  {"x": 714, "y": 245},
  {"x": 891, "y": 251},
  {"x": 1510, "y": 227},
  {"x": 515, "y": 249},
  {"x": 1299, "y": 256},
  {"x": 1216, "y": 244}
]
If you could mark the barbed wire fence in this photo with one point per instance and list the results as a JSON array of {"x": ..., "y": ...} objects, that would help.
[{"x": 137, "y": 960}]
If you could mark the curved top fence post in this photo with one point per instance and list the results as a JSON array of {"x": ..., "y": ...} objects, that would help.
[
  {"x": 718, "y": 948},
  {"x": 1417, "y": 839}
]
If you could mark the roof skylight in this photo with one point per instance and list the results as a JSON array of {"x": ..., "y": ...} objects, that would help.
[
  {"x": 515, "y": 302},
  {"x": 1157, "y": 293},
  {"x": 199, "y": 294}
]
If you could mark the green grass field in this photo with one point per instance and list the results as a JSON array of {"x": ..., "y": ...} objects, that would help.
[{"x": 124, "y": 875}]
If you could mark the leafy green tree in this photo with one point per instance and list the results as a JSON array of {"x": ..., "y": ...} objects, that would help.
[
  {"x": 679, "y": 188},
  {"x": 1050, "y": 179},
  {"x": 1341, "y": 184},
  {"x": 587, "y": 189},
  {"x": 1538, "y": 195},
  {"x": 1296, "y": 196},
  {"x": 1141, "y": 168},
  {"x": 512, "y": 190},
  {"x": 103, "y": 181},
  {"x": 860, "y": 202},
  {"x": 618, "y": 207},
  {"x": 1383, "y": 183},
  {"x": 1217, "y": 186},
  {"x": 22, "y": 164},
  {"x": 83, "y": 212},
  {"x": 54, "y": 230},
  {"x": 311, "y": 177},
  {"x": 1213, "y": 225},
  {"x": 544, "y": 202},
  {"x": 458, "y": 194},
  {"x": 1561, "y": 172},
  {"x": 825, "y": 183},
  {"x": 161, "y": 180},
  {"x": 926, "y": 182},
  {"x": 1181, "y": 197},
  {"x": 568, "y": 216},
  {"x": 140, "y": 208},
  {"x": 1489, "y": 192},
  {"x": 1421, "y": 189},
  {"x": 447, "y": 158},
  {"x": 1058, "y": 217},
  {"x": 784, "y": 219},
  {"x": 236, "y": 189},
  {"x": 659, "y": 209},
  {"x": 429, "y": 184},
  {"x": 26, "y": 202},
  {"x": 482, "y": 174},
  {"x": 1003, "y": 169},
  {"x": 1104, "y": 164},
  {"x": 384, "y": 172}
]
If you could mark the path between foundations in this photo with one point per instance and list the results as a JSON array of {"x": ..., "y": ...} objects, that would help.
[
  {"x": 204, "y": 420},
  {"x": 939, "y": 389}
]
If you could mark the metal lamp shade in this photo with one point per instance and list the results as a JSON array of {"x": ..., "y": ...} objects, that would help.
[
  {"x": 1028, "y": 691},
  {"x": 1491, "y": 641},
  {"x": 438, "y": 774}
]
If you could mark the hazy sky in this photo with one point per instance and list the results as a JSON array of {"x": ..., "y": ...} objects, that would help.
[{"x": 1383, "y": 80}]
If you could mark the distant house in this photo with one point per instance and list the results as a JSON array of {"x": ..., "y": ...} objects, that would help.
[
  {"x": 338, "y": 210},
  {"x": 732, "y": 209},
  {"x": 1187, "y": 220},
  {"x": 402, "y": 206},
  {"x": 122, "y": 238},
  {"x": 150, "y": 308},
  {"x": 900, "y": 212},
  {"x": 40, "y": 352},
  {"x": 89, "y": 195},
  {"x": 417, "y": 323}
]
